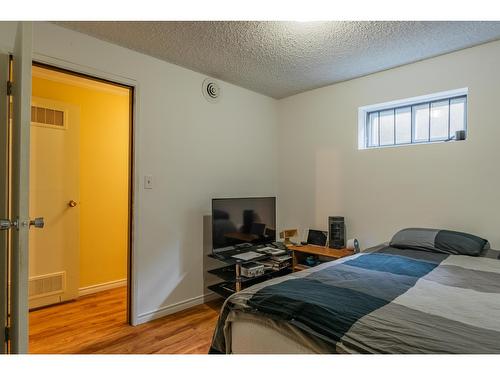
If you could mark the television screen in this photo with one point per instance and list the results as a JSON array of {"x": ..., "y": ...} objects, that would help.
[{"x": 243, "y": 220}]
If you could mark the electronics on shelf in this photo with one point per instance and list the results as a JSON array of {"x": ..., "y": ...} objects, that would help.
[
  {"x": 353, "y": 244},
  {"x": 271, "y": 251},
  {"x": 317, "y": 237},
  {"x": 336, "y": 232},
  {"x": 252, "y": 269},
  {"x": 249, "y": 255},
  {"x": 279, "y": 245},
  {"x": 276, "y": 263}
]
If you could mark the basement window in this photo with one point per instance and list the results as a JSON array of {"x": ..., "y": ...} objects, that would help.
[{"x": 424, "y": 119}]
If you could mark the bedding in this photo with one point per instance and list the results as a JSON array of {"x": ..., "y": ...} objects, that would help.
[
  {"x": 440, "y": 241},
  {"x": 385, "y": 300}
]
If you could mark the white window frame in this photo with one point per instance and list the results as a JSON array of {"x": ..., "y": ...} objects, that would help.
[{"x": 363, "y": 114}]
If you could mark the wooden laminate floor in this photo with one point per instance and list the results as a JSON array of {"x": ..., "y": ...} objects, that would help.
[{"x": 97, "y": 324}]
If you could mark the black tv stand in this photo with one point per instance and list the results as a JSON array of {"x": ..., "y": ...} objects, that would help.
[{"x": 230, "y": 273}]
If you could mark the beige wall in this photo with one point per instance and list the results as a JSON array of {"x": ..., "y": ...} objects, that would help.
[
  {"x": 104, "y": 158},
  {"x": 451, "y": 185}
]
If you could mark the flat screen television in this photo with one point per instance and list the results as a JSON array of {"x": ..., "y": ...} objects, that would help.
[{"x": 243, "y": 220}]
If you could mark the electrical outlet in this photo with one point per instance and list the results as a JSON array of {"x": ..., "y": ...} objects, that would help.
[{"x": 148, "y": 182}]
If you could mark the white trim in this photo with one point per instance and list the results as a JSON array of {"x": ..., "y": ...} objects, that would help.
[
  {"x": 136, "y": 225},
  {"x": 84, "y": 69},
  {"x": 362, "y": 128},
  {"x": 170, "y": 309},
  {"x": 86, "y": 290},
  {"x": 82, "y": 82},
  {"x": 415, "y": 100}
]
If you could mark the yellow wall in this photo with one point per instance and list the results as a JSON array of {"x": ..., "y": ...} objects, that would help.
[{"x": 104, "y": 168}]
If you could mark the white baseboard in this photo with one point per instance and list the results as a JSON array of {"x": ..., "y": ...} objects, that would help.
[
  {"x": 101, "y": 287},
  {"x": 167, "y": 310}
]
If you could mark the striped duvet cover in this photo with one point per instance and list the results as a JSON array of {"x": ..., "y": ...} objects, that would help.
[{"x": 386, "y": 300}]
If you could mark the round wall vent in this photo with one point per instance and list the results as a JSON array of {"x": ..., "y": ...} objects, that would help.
[{"x": 211, "y": 90}]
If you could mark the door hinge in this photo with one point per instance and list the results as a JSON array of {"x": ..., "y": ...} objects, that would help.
[
  {"x": 9, "y": 88},
  {"x": 7, "y": 334}
]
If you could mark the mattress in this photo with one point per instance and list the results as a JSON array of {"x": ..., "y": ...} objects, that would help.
[
  {"x": 251, "y": 336},
  {"x": 386, "y": 300}
]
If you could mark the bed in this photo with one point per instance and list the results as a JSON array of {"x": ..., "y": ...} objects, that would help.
[{"x": 399, "y": 297}]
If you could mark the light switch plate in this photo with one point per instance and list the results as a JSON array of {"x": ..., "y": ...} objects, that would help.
[{"x": 148, "y": 182}]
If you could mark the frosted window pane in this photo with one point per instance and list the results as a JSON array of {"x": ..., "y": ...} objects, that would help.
[
  {"x": 403, "y": 125},
  {"x": 421, "y": 121},
  {"x": 457, "y": 115},
  {"x": 439, "y": 120},
  {"x": 387, "y": 128}
]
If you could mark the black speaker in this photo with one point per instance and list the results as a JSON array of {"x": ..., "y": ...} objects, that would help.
[{"x": 336, "y": 232}]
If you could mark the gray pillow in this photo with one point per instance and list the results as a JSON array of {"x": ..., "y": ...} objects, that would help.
[
  {"x": 490, "y": 253},
  {"x": 439, "y": 240}
]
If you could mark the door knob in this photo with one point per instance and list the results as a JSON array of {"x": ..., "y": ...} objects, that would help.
[
  {"x": 37, "y": 222},
  {"x": 72, "y": 203},
  {"x": 6, "y": 224}
]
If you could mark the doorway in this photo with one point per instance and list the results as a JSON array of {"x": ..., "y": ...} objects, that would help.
[{"x": 81, "y": 180}]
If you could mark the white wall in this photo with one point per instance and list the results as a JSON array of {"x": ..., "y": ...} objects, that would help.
[
  {"x": 306, "y": 151},
  {"x": 194, "y": 150},
  {"x": 379, "y": 191}
]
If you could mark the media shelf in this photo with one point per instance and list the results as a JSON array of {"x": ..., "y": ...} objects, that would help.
[
  {"x": 228, "y": 287},
  {"x": 228, "y": 273},
  {"x": 224, "y": 289},
  {"x": 233, "y": 281},
  {"x": 233, "y": 261},
  {"x": 225, "y": 273}
]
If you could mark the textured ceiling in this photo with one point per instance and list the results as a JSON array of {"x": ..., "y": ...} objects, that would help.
[{"x": 279, "y": 59}]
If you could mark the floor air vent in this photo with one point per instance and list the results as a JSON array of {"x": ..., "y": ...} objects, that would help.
[{"x": 47, "y": 285}]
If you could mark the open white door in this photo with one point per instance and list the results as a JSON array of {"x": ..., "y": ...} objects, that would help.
[
  {"x": 4, "y": 196},
  {"x": 54, "y": 191},
  {"x": 20, "y": 221}
]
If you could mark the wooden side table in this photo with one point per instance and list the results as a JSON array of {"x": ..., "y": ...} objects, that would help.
[{"x": 316, "y": 250}]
